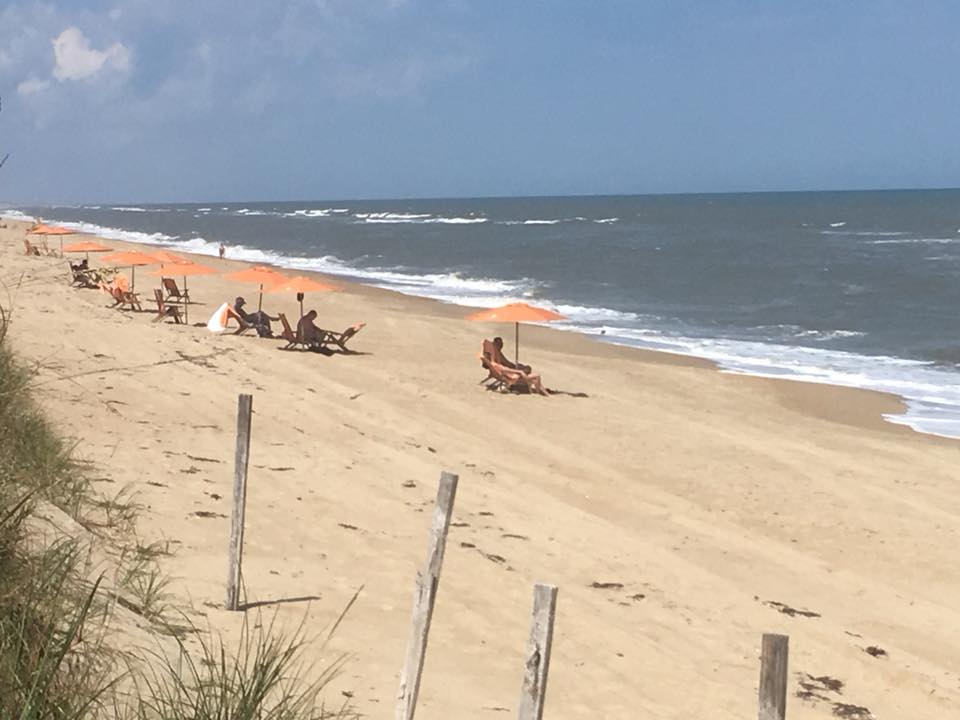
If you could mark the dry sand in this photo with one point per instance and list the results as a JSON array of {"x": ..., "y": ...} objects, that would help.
[{"x": 710, "y": 497}]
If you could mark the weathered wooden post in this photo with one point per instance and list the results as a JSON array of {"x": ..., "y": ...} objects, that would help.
[
  {"x": 773, "y": 677},
  {"x": 537, "y": 661},
  {"x": 242, "y": 457},
  {"x": 424, "y": 598}
]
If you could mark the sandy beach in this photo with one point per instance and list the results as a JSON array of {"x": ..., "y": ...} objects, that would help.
[{"x": 711, "y": 506}]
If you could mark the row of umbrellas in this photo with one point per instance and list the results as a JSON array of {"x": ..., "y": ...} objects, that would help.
[
  {"x": 274, "y": 281},
  {"x": 260, "y": 274}
]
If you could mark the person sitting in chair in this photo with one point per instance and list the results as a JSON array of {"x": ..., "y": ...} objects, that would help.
[
  {"x": 512, "y": 374},
  {"x": 501, "y": 359},
  {"x": 259, "y": 320},
  {"x": 309, "y": 333}
]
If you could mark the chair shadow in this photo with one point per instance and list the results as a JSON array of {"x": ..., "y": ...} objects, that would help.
[
  {"x": 492, "y": 387},
  {"x": 553, "y": 391},
  {"x": 325, "y": 351},
  {"x": 281, "y": 601},
  {"x": 330, "y": 352}
]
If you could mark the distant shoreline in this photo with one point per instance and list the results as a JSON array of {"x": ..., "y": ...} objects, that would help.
[{"x": 872, "y": 408}]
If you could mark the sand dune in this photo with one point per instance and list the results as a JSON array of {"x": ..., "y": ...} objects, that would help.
[{"x": 711, "y": 506}]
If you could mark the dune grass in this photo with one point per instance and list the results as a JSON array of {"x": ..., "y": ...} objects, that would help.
[{"x": 55, "y": 663}]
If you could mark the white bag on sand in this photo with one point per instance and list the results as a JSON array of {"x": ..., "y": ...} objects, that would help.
[{"x": 218, "y": 321}]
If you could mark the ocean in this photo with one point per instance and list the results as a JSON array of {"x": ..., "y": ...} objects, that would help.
[{"x": 849, "y": 288}]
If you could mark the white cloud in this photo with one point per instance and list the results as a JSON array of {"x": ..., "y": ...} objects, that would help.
[
  {"x": 76, "y": 60},
  {"x": 32, "y": 86}
]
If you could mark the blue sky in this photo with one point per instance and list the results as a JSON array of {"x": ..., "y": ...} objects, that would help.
[{"x": 164, "y": 100}]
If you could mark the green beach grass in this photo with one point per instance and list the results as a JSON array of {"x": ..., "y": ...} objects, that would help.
[{"x": 56, "y": 661}]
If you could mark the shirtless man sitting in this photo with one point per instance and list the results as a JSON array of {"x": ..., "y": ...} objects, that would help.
[
  {"x": 309, "y": 333},
  {"x": 501, "y": 359},
  {"x": 516, "y": 373}
]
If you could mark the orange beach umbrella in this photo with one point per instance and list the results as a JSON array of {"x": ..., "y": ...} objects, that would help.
[
  {"x": 168, "y": 258},
  {"x": 260, "y": 274},
  {"x": 85, "y": 246},
  {"x": 42, "y": 229},
  {"x": 516, "y": 313},
  {"x": 185, "y": 269},
  {"x": 131, "y": 258},
  {"x": 301, "y": 284}
]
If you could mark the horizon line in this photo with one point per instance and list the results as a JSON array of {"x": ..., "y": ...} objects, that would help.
[{"x": 424, "y": 198}]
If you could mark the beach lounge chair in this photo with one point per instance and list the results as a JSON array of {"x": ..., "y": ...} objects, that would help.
[
  {"x": 290, "y": 335},
  {"x": 340, "y": 339},
  {"x": 119, "y": 290},
  {"x": 84, "y": 277},
  {"x": 130, "y": 298},
  {"x": 173, "y": 292},
  {"x": 113, "y": 290},
  {"x": 30, "y": 249},
  {"x": 504, "y": 379},
  {"x": 164, "y": 309}
]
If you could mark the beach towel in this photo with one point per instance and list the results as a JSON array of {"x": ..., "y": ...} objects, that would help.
[{"x": 218, "y": 321}]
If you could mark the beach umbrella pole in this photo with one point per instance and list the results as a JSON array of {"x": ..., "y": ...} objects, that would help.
[
  {"x": 516, "y": 344},
  {"x": 186, "y": 302},
  {"x": 260, "y": 301}
]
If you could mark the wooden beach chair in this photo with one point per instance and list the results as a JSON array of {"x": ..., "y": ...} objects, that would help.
[
  {"x": 113, "y": 290},
  {"x": 485, "y": 355},
  {"x": 30, "y": 249},
  {"x": 130, "y": 298},
  {"x": 340, "y": 339},
  {"x": 288, "y": 334},
  {"x": 164, "y": 309},
  {"x": 119, "y": 290},
  {"x": 173, "y": 292},
  {"x": 78, "y": 272},
  {"x": 86, "y": 279},
  {"x": 503, "y": 378}
]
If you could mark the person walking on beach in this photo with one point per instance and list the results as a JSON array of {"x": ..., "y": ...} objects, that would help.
[{"x": 223, "y": 251}]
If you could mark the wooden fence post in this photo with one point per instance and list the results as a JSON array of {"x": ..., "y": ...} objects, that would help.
[
  {"x": 537, "y": 661},
  {"x": 773, "y": 677},
  {"x": 242, "y": 457},
  {"x": 424, "y": 598}
]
